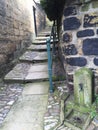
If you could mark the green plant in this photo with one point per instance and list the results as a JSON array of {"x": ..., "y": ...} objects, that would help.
[
  {"x": 96, "y": 99},
  {"x": 93, "y": 114}
]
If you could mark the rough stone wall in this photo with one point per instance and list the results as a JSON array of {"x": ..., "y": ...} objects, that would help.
[
  {"x": 79, "y": 39},
  {"x": 17, "y": 28}
]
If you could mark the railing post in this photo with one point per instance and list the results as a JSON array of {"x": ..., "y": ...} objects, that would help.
[
  {"x": 54, "y": 28},
  {"x": 49, "y": 64}
]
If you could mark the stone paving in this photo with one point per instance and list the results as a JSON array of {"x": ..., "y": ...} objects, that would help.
[
  {"x": 37, "y": 47},
  {"x": 42, "y": 42},
  {"x": 37, "y": 42},
  {"x": 25, "y": 103},
  {"x": 24, "y": 72},
  {"x": 9, "y": 94},
  {"x": 43, "y": 34},
  {"x": 27, "y": 113},
  {"x": 42, "y": 38},
  {"x": 53, "y": 117},
  {"x": 30, "y": 56}
]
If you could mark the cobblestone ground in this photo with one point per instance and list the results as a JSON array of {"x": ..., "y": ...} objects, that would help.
[
  {"x": 9, "y": 94},
  {"x": 52, "y": 115}
]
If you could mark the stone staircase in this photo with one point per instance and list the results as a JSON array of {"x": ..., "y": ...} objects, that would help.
[
  {"x": 34, "y": 102},
  {"x": 33, "y": 63},
  {"x": 32, "y": 73},
  {"x": 28, "y": 82}
]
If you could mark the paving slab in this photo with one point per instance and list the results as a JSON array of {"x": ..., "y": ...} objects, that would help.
[
  {"x": 43, "y": 34},
  {"x": 24, "y": 72},
  {"x": 36, "y": 88},
  {"x": 38, "y": 68},
  {"x": 41, "y": 56},
  {"x": 37, "y": 47},
  {"x": 28, "y": 56},
  {"x": 46, "y": 32},
  {"x": 41, "y": 42},
  {"x": 18, "y": 73},
  {"x": 33, "y": 56},
  {"x": 42, "y": 38},
  {"x": 37, "y": 76},
  {"x": 27, "y": 113}
]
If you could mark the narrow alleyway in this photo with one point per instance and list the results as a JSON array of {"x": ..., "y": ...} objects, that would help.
[
  {"x": 25, "y": 101},
  {"x": 31, "y": 77}
]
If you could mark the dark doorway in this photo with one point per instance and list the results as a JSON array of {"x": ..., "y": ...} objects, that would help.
[{"x": 34, "y": 13}]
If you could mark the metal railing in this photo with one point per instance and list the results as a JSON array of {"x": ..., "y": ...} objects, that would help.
[{"x": 51, "y": 53}]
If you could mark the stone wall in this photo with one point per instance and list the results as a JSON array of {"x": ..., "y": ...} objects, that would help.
[
  {"x": 17, "y": 28},
  {"x": 79, "y": 39}
]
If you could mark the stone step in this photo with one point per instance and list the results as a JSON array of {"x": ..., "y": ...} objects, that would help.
[
  {"x": 43, "y": 34},
  {"x": 27, "y": 72},
  {"x": 30, "y": 56},
  {"x": 38, "y": 47},
  {"x": 42, "y": 42},
  {"x": 42, "y": 38},
  {"x": 46, "y": 32}
]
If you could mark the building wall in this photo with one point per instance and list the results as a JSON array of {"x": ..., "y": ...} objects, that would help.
[
  {"x": 79, "y": 39},
  {"x": 17, "y": 28}
]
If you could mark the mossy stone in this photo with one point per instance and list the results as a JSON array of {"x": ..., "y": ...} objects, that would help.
[
  {"x": 83, "y": 87},
  {"x": 85, "y": 7},
  {"x": 95, "y": 4}
]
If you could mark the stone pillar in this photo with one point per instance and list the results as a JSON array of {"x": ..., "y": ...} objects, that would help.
[{"x": 83, "y": 87}]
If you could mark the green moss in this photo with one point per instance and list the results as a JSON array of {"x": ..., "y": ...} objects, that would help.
[
  {"x": 84, "y": 69},
  {"x": 85, "y": 7},
  {"x": 95, "y": 4},
  {"x": 58, "y": 78},
  {"x": 91, "y": 110},
  {"x": 83, "y": 86}
]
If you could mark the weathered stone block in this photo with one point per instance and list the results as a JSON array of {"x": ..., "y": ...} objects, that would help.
[
  {"x": 7, "y": 48},
  {"x": 91, "y": 20},
  {"x": 2, "y": 11},
  {"x": 3, "y": 20},
  {"x": 70, "y": 50},
  {"x": 71, "y": 23},
  {"x": 67, "y": 37},
  {"x": 97, "y": 31},
  {"x": 85, "y": 33},
  {"x": 3, "y": 59},
  {"x": 16, "y": 24},
  {"x": 85, "y": 7},
  {"x": 76, "y": 61},
  {"x": 83, "y": 87},
  {"x": 90, "y": 46},
  {"x": 95, "y": 4},
  {"x": 96, "y": 61},
  {"x": 70, "y": 11}
]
